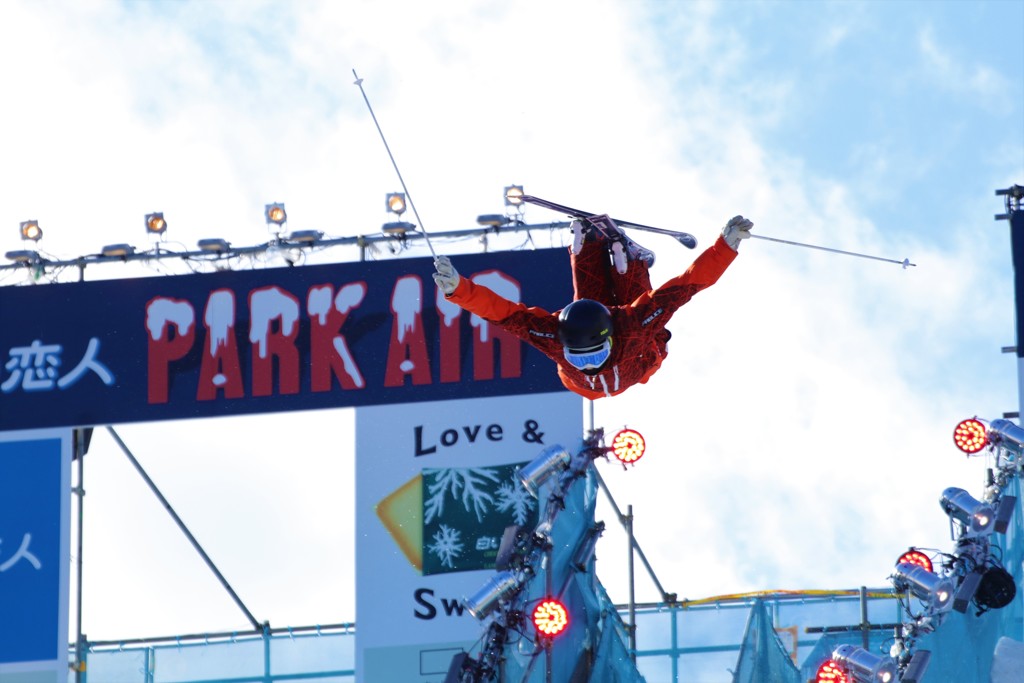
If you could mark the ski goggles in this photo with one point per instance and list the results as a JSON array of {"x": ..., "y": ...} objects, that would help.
[{"x": 589, "y": 359}]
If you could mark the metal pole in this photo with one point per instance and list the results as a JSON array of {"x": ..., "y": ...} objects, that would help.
[
  {"x": 188, "y": 534},
  {"x": 865, "y": 625},
  {"x": 632, "y": 585},
  {"x": 78, "y": 439}
]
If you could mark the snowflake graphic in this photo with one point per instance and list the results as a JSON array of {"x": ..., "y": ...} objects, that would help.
[
  {"x": 513, "y": 496},
  {"x": 446, "y": 545},
  {"x": 467, "y": 484}
]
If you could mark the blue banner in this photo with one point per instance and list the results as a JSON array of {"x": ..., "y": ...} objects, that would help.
[{"x": 271, "y": 340}]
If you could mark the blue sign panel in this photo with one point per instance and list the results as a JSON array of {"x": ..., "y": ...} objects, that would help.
[
  {"x": 34, "y": 492},
  {"x": 270, "y": 340}
]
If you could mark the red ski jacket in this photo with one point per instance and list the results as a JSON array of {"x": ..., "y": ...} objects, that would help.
[{"x": 639, "y": 337}]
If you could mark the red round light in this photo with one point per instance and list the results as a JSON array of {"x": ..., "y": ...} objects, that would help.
[
  {"x": 829, "y": 672},
  {"x": 550, "y": 618},
  {"x": 628, "y": 446},
  {"x": 970, "y": 436},
  {"x": 916, "y": 557}
]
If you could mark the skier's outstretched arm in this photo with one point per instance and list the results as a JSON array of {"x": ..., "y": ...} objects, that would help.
[{"x": 482, "y": 301}]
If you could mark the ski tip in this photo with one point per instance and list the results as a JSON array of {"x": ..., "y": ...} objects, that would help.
[{"x": 688, "y": 241}]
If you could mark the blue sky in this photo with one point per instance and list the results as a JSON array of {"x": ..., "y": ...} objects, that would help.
[{"x": 806, "y": 409}]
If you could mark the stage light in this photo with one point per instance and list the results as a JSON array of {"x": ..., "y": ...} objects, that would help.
[
  {"x": 155, "y": 224},
  {"x": 306, "y": 236},
  {"x": 864, "y": 667},
  {"x": 30, "y": 230},
  {"x": 514, "y": 195},
  {"x": 1004, "y": 512},
  {"x": 118, "y": 250},
  {"x": 489, "y": 597},
  {"x": 550, "y": 617},
  {"x": 997, "y": 589},
  {"x": 275, "y": 214},
  {"x": 830, "y": 672},
  {"x": 550, "y": 461},
  {"x": 977, "y": 517},
  {"x": 970, "y": 436},
  {"x": 628, "y": 446},
  {"x": 1002, "y": 431},
  {"x": 214, "y": 244},
  {"x": 25, "y": 256},
  {"x": 396, "y": 203},
  {"x": 914, "y": 556},
  {"x": 933, "y": 590}
]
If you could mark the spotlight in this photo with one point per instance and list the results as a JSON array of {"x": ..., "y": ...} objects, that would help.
[
  {"x": 1004, "y": 512},
  {"x": 25, "y": 256},
  {"x": 550, "y": 461},
  {"x": 30, "y": 230},
  {"x": 155, "y": 224},
  {"x": 306, "y": 236},
  {"x": 933, "y": 590},
  {"x": 499, "y": 588},
  {"x": 829, "y": 672},
  {"x": 914, "y": 556},
  {"x": 1002, "y": 431},
  {"x": 275, "y": 214},
  {"x": 514, "y": 195},
  {"x": 977, "y": 517},
  {"x": 214, "y": 244},
  {"x": 396, "y": 203},
  {"x": 118, "y": 250},
  {"x": 628, "y": 446},
  {"x": 969, "y": 436},
  {"x": 862, "y": 666},
  {"x": 550, "y": 618},
  {"x": 997, "y": 589}
]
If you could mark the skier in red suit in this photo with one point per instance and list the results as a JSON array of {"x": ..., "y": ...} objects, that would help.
[{"x": 613, "y": 334}]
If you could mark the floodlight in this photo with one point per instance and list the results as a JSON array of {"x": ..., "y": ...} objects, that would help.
[
  {"x": 628, "y": 446},
  {"x": 214, "y": 244},
  {"x": 155, "y": 224},
  {"x": 1001, "y": 431},
  {"x": 829, "y": 672},
  {"x": 550, "y": 461},
  {"x": 914, "y": 556},
  {"x": 550, "y": 618},
  {"x": 977, "y": 517},
  {"x": 933, "y": 590},
  {"x": 864, "y": 667},
  {"x": 997, "y": 589},
  {"x": 970, "y": 436},
  {"x": 1004, "y": 512},
  {"x": 916, "y": 668},
  {"x": 22, "y": 256},
  {"x": 30, "y": 230},
  {"x": 398, "y": 227},
  {"x": 275, "y": 214},
  {"x": 499, "y": 588},
  {"x": 118, "y": 250},
  {"x": 306, "y": 236},
  {"x": 396, "y": 203},
  {"x": 514, "y": 195},
  {"x": 966, "y": 591}
]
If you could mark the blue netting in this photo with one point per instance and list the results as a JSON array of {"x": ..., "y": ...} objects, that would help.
[{"x": 762, "y": 656}]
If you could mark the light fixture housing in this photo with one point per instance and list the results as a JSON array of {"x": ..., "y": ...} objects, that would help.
[
  {"x": 550, "y": 618},
  {"x": 30, "y": 231},
  {"x": 996, "y": 590},
  {"x": 933, "y": 590},
  {"x": 499, "y": 588},
  {"x": 155, "y": 223},
  {"x": 628, "y": 446},
  {"x": 306, "y": 236},
  {"x": 830, "y": 672},
  {"x": 275, "y": 214},
  {"x": 915, "y": 556},
  {"x": 215, "y": 245},
  {"x": 25, "y": 256},
  {"x": 514, "y": 195},
  {"x": 395, "y": 202},
  {"x": 551, "y": 460},
  {"x": 118, "y": 250},
  {"x": 398, "y": 228},
  {"x": 493, "y": 220},
  {"x": 970, "y": 436},
  {"x": 863, "y": 666},
  {"x": 976, "y": 517},
  {"x": 1005, "y": 433}
]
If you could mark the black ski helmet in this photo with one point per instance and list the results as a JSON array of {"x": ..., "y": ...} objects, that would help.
[{"x": 584, "y": 324}]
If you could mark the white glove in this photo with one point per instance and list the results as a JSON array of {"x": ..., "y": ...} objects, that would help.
[
  {"x": 446, "y": 277},
  {"x": 736, "y": 229}
]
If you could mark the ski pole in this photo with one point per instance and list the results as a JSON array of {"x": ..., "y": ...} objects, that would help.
[
  {"x": 905, "y": 262},
  {"x": 408, "y": 196}
]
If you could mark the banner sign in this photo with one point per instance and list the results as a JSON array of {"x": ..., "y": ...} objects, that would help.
[
  {"x": 270, "y": 340},
  {"x": 35, "y": 492},
  {"x": 435, "y": 488}
]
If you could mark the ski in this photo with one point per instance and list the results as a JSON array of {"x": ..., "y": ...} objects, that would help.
[{"x": 684, "y": 238}]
